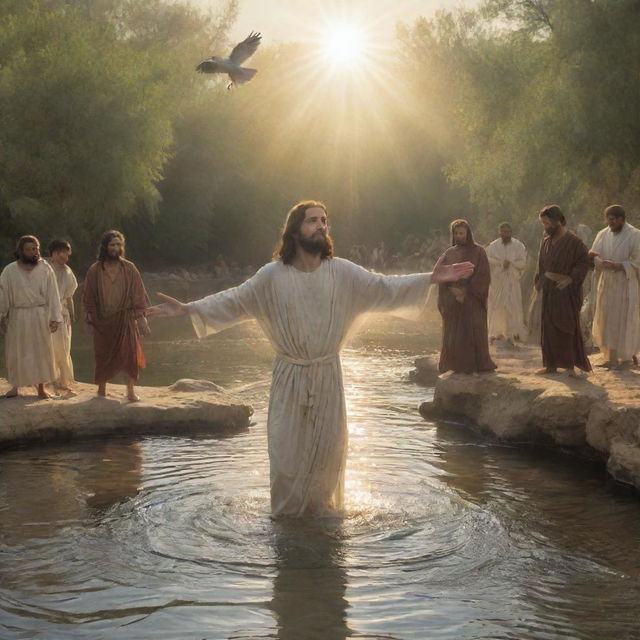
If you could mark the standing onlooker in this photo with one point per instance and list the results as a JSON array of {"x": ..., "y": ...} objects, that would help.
[
  {"x": 563, "y": 264},
  {"x": 115, "y": 301},
  {"x": 507, "y": 258},
  {"x": 463, "y": 306},
  {"x": 59, "y": 252},
  {"x": 30, "y": 308},
  {"x": 616, "y": 322}
]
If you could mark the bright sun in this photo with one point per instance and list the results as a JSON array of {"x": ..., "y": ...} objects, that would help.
[{"x": 345, "y": 44}]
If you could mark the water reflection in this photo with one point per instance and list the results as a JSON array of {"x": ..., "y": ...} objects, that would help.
[
  {"x": 310, "y": 586},
  {"x": 44, "y": 491}
]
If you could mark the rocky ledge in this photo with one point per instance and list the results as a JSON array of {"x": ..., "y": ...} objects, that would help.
[
  {"x": 187, "y": 406},
  {"x": 598, "y": 414}
]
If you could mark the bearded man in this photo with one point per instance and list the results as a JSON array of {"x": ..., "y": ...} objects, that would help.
[
  {"x": 115, "y": 303},
  {"x": 616, "y": 323},
  {"x": 563, "y": 264},
  {"x": 30, "y": 309},
  {"x": 507, "y": 259},
  {"x": 463, "y": 306},
  {"x": 308, "y": 302}
]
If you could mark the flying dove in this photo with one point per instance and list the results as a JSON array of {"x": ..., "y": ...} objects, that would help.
[{"x": 231, "y": 65}]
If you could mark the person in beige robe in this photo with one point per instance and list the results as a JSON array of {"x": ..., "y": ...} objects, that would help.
[
  {"x": 31, "y": 311},
  {"x": 507, "y": 259},
  {"x": 59, "y": 252},
  {"x": 616, "y": 321},
  {"x": 308, "y": 302}
]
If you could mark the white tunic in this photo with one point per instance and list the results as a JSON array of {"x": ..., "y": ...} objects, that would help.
[
  {"x": 308, "y": 317},
  {"x": 67, "y": 285},
  {"x": 505, "y": 295},
  {"x": 31, "y": 301},
  {"x": 616, "y": 320}
]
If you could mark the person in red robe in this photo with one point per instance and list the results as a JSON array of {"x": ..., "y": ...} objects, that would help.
[
  {"x": 115, "y": 302},
  {"x": 563, "y": 264},
  {"x": 463, "y": 306}
]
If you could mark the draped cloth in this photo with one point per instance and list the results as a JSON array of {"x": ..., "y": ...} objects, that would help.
[
  {"x": 465, "y": 339},
  {"x": 307, "y": 318},
  {"x": 30, "y": 300},
  {"x": 67, "y": 285},
  {"x": 616, "y": 322},
  {"x": 561, "y": 338},
  {"x": 112, "y": 307},
  {"x": 505, "y": 296}
]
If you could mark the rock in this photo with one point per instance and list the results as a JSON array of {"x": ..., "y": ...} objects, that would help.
[
  {"x": 190, "y": 385},
  {"x": 162, "y": 410},
  {"x": 429, "y": 410},
  {"x": 558, "y": 410},
  {"x": 426, "y": 370}
]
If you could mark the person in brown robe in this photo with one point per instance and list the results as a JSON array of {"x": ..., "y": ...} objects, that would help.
[
  {"x": 563, "y": 264},
  {"x": 463, "y": 306},
  {"x": 115, "y": 301}
]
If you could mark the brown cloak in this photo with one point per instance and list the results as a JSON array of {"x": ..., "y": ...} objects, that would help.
[
  {"x": 562, "y": 344},
  {"x": 113, "y": 308},
  {"x": 465, "y": 338}
]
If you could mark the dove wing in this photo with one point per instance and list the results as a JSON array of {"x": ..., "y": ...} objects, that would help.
[{"x": 245, "y": 49}]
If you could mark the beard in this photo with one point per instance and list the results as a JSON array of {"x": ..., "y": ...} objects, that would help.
[
  {"x": 31, "y": 260},
  {"x": 317, "y": 243},
  {"x": 114, "y": 257},
  {"x": 551, "y": 231}
]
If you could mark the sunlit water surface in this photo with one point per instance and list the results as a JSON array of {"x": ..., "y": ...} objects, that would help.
[{"x": 446, "y": 535}]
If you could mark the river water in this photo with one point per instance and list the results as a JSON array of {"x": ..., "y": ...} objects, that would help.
[{"x": 446, "y": 535}]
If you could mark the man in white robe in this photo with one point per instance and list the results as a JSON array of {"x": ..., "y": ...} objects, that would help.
[
  {"x": 31, "y": 303},
  {"x": 59, "y": 252},
  {"x": 616, "y": 320},
  {"x": 507, "y": 259},
  {"x": 307, "y": 303}
]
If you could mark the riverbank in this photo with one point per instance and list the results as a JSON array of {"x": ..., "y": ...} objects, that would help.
[
  {"x": 598, "y": 414},
  {"x": 186, "y": 406}
]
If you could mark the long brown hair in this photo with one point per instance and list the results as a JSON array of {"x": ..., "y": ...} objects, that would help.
[
  {"x": 107, "y": 237},
  {"x": 21, "y": 242},
  {"x": 460, "y": 222},
  {"x": 286, "y": 248}
]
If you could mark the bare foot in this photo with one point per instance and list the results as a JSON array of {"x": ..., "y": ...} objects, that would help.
[
  {"x": 605, "y": 365},
  {"x": 12, "y": 393},
  {"x": 43, "y": 394},
  {"x": 132, "y": 397},
  {"x": 546, "y": 371}
]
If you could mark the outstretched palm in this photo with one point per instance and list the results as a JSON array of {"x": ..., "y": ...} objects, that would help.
[{"x": 168, "y": 309}]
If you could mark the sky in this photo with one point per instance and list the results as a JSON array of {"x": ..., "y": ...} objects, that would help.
[{"x": 285, "y": 20}]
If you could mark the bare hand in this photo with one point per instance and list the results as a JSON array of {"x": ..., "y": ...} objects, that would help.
[
  {"x": 452, "y": 272},
  {"x": 53, "y": 326},
  {"x": 169, "y": 309},
  {"x": 607, "y": 264},
  {"x": 564, "y": 282},
  {"x": 505, "y": 264},
  {"x": 458, "y": 294},
  {"x": 143, "y": 326}
]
